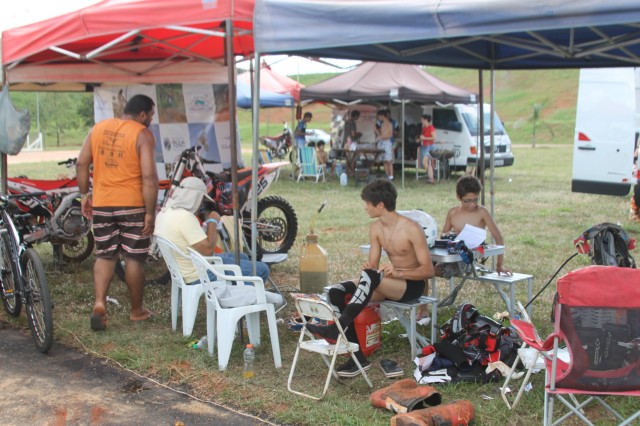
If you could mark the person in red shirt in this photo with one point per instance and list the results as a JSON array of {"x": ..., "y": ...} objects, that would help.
[{"x": 427, "y": 141}]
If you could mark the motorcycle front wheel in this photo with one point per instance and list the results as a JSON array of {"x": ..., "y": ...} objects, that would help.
[
  {"x": 277, "y": 225},
  {"x": 79, "y": 250}
]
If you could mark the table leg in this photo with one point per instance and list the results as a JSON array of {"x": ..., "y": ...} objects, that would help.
[
  {"x": 434, "y": 310},
  {"x": 529, "y": 294}
]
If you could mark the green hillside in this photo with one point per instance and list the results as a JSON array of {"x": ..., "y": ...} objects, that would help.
[{"x": 516, "y": 93}]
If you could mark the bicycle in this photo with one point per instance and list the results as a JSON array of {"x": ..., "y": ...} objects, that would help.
[{"x": 22, "y": 279}]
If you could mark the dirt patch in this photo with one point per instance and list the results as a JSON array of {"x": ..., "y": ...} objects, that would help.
[{"x": 41, "y": 156}]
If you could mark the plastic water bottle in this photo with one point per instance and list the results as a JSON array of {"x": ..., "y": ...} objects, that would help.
[
  {"x": 201, "y": 344},
  {"x": 249, "y": 356},
  {"x": 343, "y": 179}
]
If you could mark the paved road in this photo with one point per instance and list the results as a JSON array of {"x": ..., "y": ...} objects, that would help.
[{"x": 70, "y": 388}]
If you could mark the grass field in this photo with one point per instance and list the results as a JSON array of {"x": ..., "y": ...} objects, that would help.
[{"x": 539, "y": 218}]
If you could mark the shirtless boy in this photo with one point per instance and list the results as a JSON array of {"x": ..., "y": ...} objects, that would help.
[
  {"x": 401, "y": 279},
  {"x": 470, "y": 212}
]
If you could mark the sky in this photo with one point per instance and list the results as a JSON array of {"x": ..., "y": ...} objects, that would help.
[{"x": 28, "y": 11}]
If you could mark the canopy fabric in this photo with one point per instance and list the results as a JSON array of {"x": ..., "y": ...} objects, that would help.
[
  {"x": 274, "y": 82},
  {"x": 267, "y": 99},
  {"x": 373, "y": 81},
  {"x": 131, "y": 31},
  {"x": 480, "y": 34}
]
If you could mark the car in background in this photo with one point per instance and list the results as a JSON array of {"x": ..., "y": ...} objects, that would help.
[{"x": 316, "y": 135}]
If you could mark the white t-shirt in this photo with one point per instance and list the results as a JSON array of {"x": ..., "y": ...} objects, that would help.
[{"x": 182, "y": 228}]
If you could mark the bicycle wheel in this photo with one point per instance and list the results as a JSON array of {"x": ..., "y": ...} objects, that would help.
[
  {"x": 38, "y": 301},
  {"x": 10, "y": 299}
]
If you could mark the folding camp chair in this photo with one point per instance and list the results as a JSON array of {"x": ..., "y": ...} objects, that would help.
[
  {"x": 597, "y": 315},
  {"x": 316, "y": 308},
  {"x": 308, "y": 164}
]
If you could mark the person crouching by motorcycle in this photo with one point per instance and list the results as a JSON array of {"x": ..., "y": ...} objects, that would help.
[
  {"x": 123, "y": 205},
  {"x": 178, "y": 223}
]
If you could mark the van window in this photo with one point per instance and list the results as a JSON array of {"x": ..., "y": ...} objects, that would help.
[
  {"x": 446, "y": 119},
  {"x": 471, "y": 118}
]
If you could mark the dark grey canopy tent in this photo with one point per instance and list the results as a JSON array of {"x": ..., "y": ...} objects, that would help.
[{"x": 477, "y": 34}]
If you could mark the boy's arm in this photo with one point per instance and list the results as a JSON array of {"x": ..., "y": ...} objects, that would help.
[
  {"x": 497, "y": 238},
  {"x": 425, "y": 269},
  {"x": 447, "y": 222},
  {"x": 375, "y": 250}
]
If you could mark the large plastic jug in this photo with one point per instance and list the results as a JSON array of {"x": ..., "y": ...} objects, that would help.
[{"x": 313, "y": 266}]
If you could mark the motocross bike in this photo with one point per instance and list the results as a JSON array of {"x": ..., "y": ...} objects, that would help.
[
  {"x": 277, "y": 223},
  {"x": 280, "y": 145},
  {"x": 56, "y": 216}
]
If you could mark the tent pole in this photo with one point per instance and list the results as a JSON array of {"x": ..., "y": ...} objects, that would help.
[
  {"x": 492, "y": 154},
  {"x": 402, "y": 138},
  {"x": 492, "y": 138},
  {"x": 4, "y": 177},
  {"x": 480, "y": 137},
  {"x": 255, "y": 117},
  {"x": 233, "y": 133}
]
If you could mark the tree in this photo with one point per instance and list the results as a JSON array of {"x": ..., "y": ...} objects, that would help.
[{"x": 537, "y": 117}]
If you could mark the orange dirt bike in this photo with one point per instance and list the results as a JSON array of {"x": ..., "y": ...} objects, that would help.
[{"x": 277, "y": 223}]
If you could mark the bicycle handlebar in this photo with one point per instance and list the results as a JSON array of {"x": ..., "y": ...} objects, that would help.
[{"x": 7, "y": 197}]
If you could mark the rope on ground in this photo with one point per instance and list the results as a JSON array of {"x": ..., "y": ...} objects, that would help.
[{"x": 206, "y": 401}]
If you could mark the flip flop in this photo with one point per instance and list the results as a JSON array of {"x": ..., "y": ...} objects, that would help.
[
  {"x": 147, "y": 315},
  {"x": 99, "y": 320},
  {"x": 391, "y": 368}
]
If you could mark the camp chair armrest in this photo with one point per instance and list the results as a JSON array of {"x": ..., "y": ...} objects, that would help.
[{"x": 527, "y": 332}]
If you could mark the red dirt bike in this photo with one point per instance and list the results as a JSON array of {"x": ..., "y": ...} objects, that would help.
[
  {"x": 280, "y": 145},
  {"x": 55, "y": 217},
  {"x": 277, "y": 223}
]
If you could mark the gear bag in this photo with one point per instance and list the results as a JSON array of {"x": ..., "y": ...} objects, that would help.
[{"x": 14, "y": 125}]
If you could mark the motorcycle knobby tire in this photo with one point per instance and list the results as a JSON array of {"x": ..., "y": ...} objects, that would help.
[{"x": 274, "y": 213}]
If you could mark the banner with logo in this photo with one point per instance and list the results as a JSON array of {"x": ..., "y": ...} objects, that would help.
[{"x": 187, "y": 115}]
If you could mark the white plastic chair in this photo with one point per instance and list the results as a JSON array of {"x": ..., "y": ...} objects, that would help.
[
  {"x": 315, "y": 308},
  {"x": 189, "y": 295},
  {"x": 222, "y": 321},
  {"x": 226, "y": 242}
]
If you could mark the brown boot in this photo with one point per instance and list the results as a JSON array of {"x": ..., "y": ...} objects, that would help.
[
  {"x": 455, "y": 413},
  {"x": 405, "y": 395}
]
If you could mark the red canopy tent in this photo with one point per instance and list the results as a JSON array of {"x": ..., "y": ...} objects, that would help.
[
  {"x": 132, "y": 40},
  {"x": 131, "y": 31},
  {"x": 274, "y": 82}
]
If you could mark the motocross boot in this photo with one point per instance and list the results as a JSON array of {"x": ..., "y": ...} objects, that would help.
[
  {"x": 455, "y": 413},
  {"x": 405, "y": 395}
]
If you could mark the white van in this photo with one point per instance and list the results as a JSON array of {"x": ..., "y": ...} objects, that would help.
[
  {"x": 457, "y": 128},
  {"x": 604, "y": 138}
]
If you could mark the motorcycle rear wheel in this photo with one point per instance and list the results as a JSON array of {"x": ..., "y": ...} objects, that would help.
[
  {"x": 277, "y": 225},
  {"x": 155, "y": 270},
  {"x": 77, "y": 251}
]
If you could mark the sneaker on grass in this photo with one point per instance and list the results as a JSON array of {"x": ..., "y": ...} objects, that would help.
[{"x": 350, "y": 369}]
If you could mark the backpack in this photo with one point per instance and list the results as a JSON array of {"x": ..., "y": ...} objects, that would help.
[
  {"x": 607, "y": 244},
  {"x": 481, "y": 338}
]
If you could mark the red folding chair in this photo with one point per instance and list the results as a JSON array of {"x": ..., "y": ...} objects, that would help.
[{"x": 597, "y": 315}]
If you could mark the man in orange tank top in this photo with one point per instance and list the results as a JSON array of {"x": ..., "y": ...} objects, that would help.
[{"x": 123, "y": 202}]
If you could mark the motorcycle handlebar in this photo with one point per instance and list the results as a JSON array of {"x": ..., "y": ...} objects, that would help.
[{"x": 69, "y": 162}]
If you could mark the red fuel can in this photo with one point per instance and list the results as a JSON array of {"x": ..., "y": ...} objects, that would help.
[{"x": 369, "y": 329}]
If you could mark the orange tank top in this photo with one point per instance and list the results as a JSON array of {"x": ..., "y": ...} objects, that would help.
[{"x": 117, "y": 176}]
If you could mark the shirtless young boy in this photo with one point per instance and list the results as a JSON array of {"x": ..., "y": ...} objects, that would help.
[
  {"x": 401, "y": 279},
  {"x": 470, "y": 212}
]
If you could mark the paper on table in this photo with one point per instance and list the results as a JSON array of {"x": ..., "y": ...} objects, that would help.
[{"x": 472, "y": 236}]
